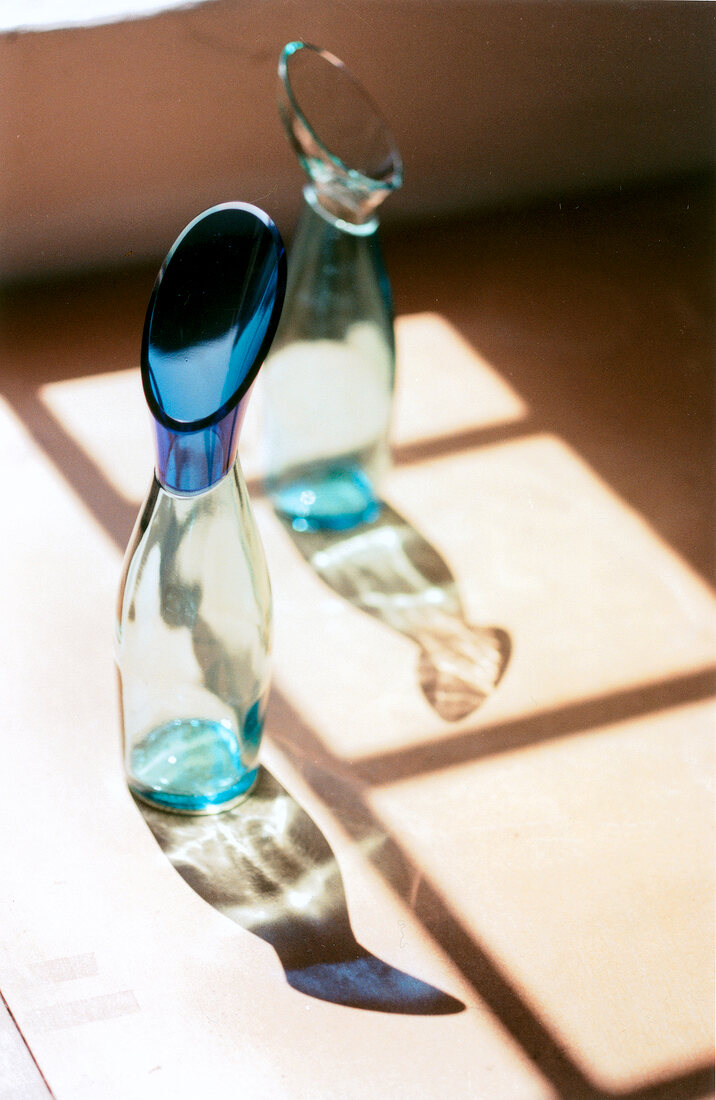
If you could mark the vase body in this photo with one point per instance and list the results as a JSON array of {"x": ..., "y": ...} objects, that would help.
[
  {"x": 193, "y": 636},
  {"x": 328, "y": 381}
]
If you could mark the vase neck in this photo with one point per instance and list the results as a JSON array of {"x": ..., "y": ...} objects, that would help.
[
  {"x": 330, "y": 205},
  {"x": 193, "y": 461}
]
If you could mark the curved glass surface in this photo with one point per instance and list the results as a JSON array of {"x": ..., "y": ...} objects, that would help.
[
  {"x": 328, "y": 382},
  {"x": 344, "y": 145},
  {"x": 209, "y": 324},
  {"x": 193, "y": 639}
]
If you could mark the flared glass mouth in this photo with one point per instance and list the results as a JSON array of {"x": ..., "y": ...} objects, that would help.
[
  {"x": 210, "y": 321},
  {"x": 341, "y": 139},
  {"x": 212, "y": 316}
]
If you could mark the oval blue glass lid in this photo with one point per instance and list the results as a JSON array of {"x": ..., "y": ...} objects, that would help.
[{"x": 212, "y": 316}]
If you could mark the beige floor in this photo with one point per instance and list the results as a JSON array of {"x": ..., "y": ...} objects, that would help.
[{"x": 545, "y": 863}]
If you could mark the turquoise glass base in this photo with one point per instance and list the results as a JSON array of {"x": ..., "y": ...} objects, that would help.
[
  {"x": 191, "y": 766},
  {"x": 334, "y": 498}
]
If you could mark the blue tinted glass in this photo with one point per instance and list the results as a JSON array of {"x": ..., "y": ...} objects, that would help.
[{"x": 212, "y": 315}]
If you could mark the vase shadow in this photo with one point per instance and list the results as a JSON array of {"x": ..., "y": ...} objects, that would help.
[
  {"x": 267, "y": 866},
  {"x": 388, "y": 569}
]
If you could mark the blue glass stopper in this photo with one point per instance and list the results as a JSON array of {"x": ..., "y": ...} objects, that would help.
[{"x": 210, "y": 321}]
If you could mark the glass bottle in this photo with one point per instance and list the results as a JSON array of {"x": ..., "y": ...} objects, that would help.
[
  {"x": 328, "y": 382},
  {"x": 193, "y": 631}
]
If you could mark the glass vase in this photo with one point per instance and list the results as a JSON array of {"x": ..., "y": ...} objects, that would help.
[
  {"x": 328, "y": 382},
  {"x": 193, "y": 629}
]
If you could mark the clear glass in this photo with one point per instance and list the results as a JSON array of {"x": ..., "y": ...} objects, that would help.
[
  {"x": 193, "y": 638},
  {"x": 328, "y": 382}
]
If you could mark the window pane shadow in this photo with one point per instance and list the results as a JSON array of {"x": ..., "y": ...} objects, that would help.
[
  {"x": 531, "y": 729},
  {"x": 336, "y": 784}
]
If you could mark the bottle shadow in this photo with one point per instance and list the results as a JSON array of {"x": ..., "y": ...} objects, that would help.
[
  {"x": 388, "y": 569},
  {"x": 267, "y": 866}
]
